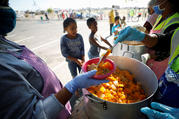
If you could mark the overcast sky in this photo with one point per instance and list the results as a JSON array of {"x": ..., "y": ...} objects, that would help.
[{"x": 73, "y": 4}]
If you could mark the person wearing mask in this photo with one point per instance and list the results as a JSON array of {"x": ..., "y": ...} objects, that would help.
[
  {"x": 28, "y": 88},
  {"x": 164, "y": 40},
  {"x": 151, "y": 18},
  {"x": 160, "y": 40}
]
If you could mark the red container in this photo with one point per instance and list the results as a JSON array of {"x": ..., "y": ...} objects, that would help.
[{"x": 96, "y": 60}]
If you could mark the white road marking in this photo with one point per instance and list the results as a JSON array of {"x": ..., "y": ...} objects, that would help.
[
  {"x": 59, "y": 65},
  {"x": 27, "y": 38},
  {"x": 9, "y": 36},
  {"x": 43, "y": 45}
]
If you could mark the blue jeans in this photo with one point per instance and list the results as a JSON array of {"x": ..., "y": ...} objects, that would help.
[
  {"x": 90, "y": 56},
  {"x": 73, "y": 67}
]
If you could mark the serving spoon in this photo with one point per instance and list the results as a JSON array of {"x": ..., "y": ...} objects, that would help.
[{"x": 103, "y": 57}]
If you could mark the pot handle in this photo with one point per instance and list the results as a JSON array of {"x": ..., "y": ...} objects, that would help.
[
  {"x": 129, "y": 53},
  {"x": 100, "y": 102}
]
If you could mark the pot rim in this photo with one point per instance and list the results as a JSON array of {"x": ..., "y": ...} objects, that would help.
[
  {"x": 133, "y": 45},
  {"x": 148, "y": 97}
]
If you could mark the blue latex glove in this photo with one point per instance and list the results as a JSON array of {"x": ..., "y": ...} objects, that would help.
[
  {"x": 166, "y": 111},
  {"x": 130, "y": 34},
  {"x": 83, "y": 81}
]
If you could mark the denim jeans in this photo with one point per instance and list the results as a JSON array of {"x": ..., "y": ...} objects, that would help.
[
  {"x": 73, "y": 67},
  {"x": 90, "y": 56}
]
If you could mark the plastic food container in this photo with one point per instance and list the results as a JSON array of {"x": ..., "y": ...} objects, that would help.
[{"x": 95, "y": 61}]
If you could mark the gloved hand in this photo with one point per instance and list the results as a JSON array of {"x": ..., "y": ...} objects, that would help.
[
  {"x": 130, "y": 34},
  {"x": 83, "y": 81},
  {"x": 166, "y": 111}
]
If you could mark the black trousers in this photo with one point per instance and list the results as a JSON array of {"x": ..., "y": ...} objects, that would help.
[{"x": 111, "y": 25}]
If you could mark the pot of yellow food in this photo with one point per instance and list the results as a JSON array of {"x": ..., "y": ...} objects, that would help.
[{"x": 132, "y": 86}]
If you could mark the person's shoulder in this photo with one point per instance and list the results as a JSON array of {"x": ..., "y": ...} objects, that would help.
[
  {"x": 64, "y": 37},
  {"x": 79, "y": 36},
  {"x": 91, "y": 35}
]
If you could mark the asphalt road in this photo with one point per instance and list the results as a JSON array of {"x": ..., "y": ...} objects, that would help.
[{"x": 43, "y": 38}]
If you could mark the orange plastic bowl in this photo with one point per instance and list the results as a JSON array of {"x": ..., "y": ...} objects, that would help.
[{"x": 96, "y": 60}]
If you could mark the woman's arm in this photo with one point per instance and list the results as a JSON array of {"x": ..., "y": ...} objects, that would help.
[
  {"x": 63, "y": 96},
  {"x": 22, "y": 101},
  {"x": 161, "y": 40},
  {"x": 82, "y": 81},
  {"x": 150, "y": 40}
]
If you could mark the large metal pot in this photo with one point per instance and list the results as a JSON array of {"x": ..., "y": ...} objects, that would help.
[
  {"x": 97, "y": 108},
  {"x": 132, "y": 51}
]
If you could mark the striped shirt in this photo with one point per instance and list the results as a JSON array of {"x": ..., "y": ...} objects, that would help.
[{"x": 72, "y": 47}]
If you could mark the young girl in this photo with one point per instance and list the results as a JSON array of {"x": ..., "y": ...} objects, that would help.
[
  {"x": 72, "y": 46},
  {"x": 116, "y": 27},
  {"x": 94, "y": 45}
]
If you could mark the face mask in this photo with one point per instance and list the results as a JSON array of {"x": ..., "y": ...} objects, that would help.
[
  {"x": 7, "y": 20},
  {"x": 157, "y": 8}
]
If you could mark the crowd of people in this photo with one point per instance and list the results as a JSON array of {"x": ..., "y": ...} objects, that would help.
[
  {"x": 29, "y": 89},
  {"x": 116, "y": 22},
  {"x": 162, "y": 42}
]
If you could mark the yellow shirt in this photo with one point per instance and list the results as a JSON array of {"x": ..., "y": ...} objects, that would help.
[{"x": 111, "y": 17}]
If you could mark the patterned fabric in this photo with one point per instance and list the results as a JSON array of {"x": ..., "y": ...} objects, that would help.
[
  {"x": 169, "y": 86},
  {"x": 114, "y": 29},
  {"x": 72, "y": 47}
]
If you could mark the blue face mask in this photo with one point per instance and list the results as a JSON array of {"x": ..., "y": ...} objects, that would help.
[
  {"x": 7, "y": 20},
  {"x": 157, "y": 9}
]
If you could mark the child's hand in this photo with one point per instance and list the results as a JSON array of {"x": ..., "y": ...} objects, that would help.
[
  {"x": 105, "y": 48},
  {"x": 102, "y": 38},
  {"x": 82, "y": 61},
  {"x": 79, "y": 62}
]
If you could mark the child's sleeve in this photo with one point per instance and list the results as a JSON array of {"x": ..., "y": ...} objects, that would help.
[
  {"x": 64, "y": 48},
  {"x": 82, "y": 46},
  {"x": 113, "y": 29}
]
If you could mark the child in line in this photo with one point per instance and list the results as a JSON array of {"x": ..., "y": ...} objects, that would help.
[
  {"x": 123, "y": 21},
  {"x": 116, "y": 27},
  {"x": 95, "y": 47},
  {"x": 72, "y": 46}
]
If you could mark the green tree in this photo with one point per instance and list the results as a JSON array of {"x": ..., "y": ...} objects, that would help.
[{"x": 49, "y": 10}]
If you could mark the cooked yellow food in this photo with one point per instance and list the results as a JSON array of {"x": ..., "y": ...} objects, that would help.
[
  {"x": 122, "y": 88},
  {"x": 102, "y": 69}
]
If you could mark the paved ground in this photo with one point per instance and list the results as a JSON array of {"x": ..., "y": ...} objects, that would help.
[{"x": 43, "y": 38}]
